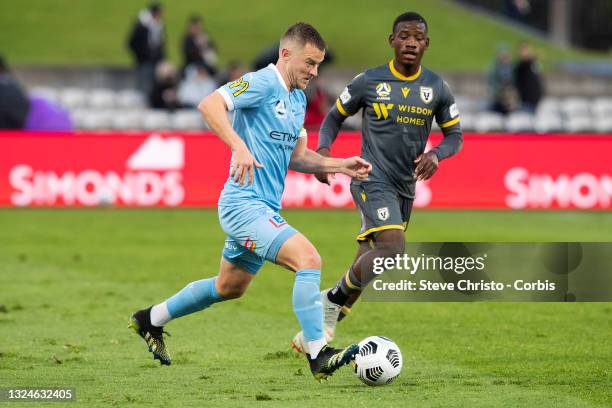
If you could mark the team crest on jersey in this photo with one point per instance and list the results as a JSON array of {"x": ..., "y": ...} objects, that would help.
[
  {"x": 405, "y": 92},
  {"x": 280, "y": 108},
  {"x": 383, "y": 213},
  {"x": 427, "y": 94},
  {"x": 383, "y": 90}
]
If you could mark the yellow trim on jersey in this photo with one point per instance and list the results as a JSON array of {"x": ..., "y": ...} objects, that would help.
[
  {"x": 244, "y": 85},
  {"x": 340, "y": 108},
  {"x": 396, "y": 73},
  {"x": 348, "y": 282},
  {"x": 449, "y": 123},
  {"x": 363, "y": 236}
]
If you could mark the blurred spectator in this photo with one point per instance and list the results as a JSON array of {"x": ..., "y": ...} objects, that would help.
[
  {"x": 147, "y": 43},
  {"x": 14, "y": 103},
  {"x": 46, "y": 115},
  {"x": 233, "y": 71},
  {"x": 164, "y": 94},
  {"x": 265, "y": 57},
  {"x": 527, "y": 79},
  {"x": 518, "y": 9},
  {"x": 501, "y": 82},
  {"x": 197, "y": 84},
  {"x": 318, "y": 105},
  {"x": 198, "y": 47}
]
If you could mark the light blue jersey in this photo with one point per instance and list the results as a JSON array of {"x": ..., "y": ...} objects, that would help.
[{"x": 270, "y": 120}]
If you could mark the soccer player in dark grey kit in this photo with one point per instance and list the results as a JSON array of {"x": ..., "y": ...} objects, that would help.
[{"x": 399, "y": 101}]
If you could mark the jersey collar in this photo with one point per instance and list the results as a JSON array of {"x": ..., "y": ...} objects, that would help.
[
  {"x": 279, "y": 76},
  {"x": 397, "y": 74}
]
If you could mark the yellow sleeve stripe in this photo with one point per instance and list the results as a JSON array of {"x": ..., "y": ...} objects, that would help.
[
  {"x": 348, "y": 282},
  {"x": 340, "y": 108},
  {"x": 364, "y": 235},
  {"x": 449, "y": 123}
]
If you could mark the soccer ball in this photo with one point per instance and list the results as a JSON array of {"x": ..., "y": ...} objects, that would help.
[{"x": 379, "y": 361}]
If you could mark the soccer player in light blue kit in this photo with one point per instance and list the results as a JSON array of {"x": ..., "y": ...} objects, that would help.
[{"x": 266, "y": 138}]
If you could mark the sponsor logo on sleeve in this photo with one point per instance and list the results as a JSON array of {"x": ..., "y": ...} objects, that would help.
[
  {"x": 277, "y": 221},
  {"x": 345, "y": 96}
]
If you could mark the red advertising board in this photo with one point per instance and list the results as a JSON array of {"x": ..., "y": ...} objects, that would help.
[{"x": 189, "y": 169}]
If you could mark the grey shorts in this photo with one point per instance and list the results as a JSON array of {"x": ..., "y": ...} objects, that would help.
[{"x": 381, "y": 208}]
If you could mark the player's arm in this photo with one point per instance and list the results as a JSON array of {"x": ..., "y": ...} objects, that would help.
[
  {"x": 348, "y": 103},
  {"x": 447, "y": 117},
  {"x": 214, "y": 110},
  {"x": 243, "y": 93},
  {"x": 305, "y": 160}
]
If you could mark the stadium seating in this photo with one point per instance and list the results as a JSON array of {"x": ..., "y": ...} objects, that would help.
[
  {"x": 602, "y": 107},
  {"x": 104, "y": 108},
  {"x": 546, "y": 122},
  {"x": 128, "y": 120},
  {"x": 578, "y": 123},
  {"x": 155, "y": 119},
  {"x": 604, "y": 124},
  {"x": 489, "y": 122},
  {"x": 519, "y": 122},
  {"x": 130, "y": 99},
  {"x": 187, "y": 119},
  {"x": 73, "y": 98},
  {"x": 101, "y": 99}
]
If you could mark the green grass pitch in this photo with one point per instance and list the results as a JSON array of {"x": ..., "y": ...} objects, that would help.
[{"x": 69, "y": 279}]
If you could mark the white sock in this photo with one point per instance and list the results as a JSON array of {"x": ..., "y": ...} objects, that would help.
[
  {"x": 315, "y": 346},
  {"x": 160, "y": 315}
]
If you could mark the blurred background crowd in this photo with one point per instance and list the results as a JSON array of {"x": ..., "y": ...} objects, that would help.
[{"x": 513, "y": 92}]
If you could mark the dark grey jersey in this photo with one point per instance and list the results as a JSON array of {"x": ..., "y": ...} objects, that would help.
[{"x": 397, "y": 116}]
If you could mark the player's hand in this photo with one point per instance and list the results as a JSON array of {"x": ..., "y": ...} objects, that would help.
[
  {"x": 356, "y": 167},
  {"x": 243, "y": 165},
  {"x": 323, "y": 177},
  {"x": 427, "y": 165}
]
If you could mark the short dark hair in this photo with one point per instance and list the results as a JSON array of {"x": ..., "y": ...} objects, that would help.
[
  {"x": 304, "y": 34},
  {"x": 155, "y": 8},
  {"x": 409, "y": 16},
  {"x": 195, "y": 19}
]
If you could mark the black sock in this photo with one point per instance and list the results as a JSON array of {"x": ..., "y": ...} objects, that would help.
[{"x": 336, "y": 295}]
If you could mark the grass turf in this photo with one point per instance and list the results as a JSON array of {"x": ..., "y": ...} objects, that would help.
[
  {"x": 65, "y": 32},
  {"x": 70, "y": 279}
]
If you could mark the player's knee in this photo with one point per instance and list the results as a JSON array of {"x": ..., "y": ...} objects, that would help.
[
  {"x": 308, "y": 259},
  {"x": 231, "y": 290}
]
